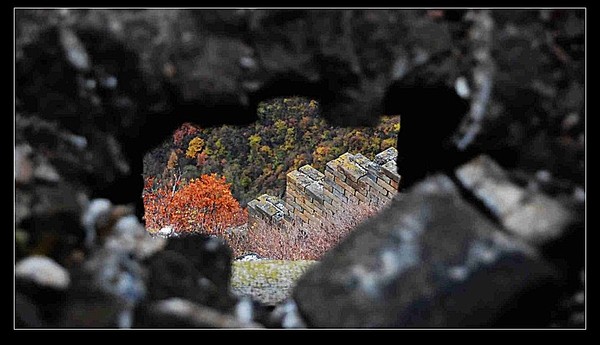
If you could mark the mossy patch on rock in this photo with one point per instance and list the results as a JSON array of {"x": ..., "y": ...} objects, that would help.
[{"x": 267, "y": 281}]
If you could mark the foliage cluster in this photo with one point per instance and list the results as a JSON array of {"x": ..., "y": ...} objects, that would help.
[{"x": 255, "y": 159}]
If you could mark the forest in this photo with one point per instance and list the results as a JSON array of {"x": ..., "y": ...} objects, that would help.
[{"x": 255, "y": 159}]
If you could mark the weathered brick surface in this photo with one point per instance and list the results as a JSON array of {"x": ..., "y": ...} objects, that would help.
[
  {"x": 390, "y": 170},
  {"x": 312, "y": 195},
  {"x": 388, "y": 155},
  {"x": 311, "y": 172}
]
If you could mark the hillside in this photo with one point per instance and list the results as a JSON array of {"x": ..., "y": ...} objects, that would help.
[{"x": 255, "y": 159}]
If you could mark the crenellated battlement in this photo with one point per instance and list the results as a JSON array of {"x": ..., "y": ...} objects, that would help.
[{"x": 349, "y": 179}]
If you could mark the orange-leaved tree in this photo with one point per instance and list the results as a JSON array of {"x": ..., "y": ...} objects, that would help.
[{"x": 203, "y": 204}]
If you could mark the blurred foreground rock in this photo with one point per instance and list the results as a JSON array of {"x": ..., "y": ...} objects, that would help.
[
  {"x": 535, "y": 217},
  {"x": 429, "y": 260},
  {"x": 96, "y": 88},
  {"x": 180, "y": 313}
]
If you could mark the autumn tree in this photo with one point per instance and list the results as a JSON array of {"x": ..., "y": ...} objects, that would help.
[{"x": 203, "y": 204}]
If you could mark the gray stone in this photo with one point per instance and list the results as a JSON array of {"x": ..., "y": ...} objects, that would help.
[
  {"x": 95, "y": 215},
  {"x": 287, "y": 315},
  {"x": 178, "y": 312},
  {"x": 130, "y": 236},
  {"x": 43, "y": 271},
  {"x": 311, "y": 172},
  {"x": 116, "y": 273},
  {"x": 74, "y": 50},
  {"x": 428, "y": 260},
  {"x": 44, "y": 171},
  {"x": 386, "y": 156},
  {"x": 532, "y": 215}
]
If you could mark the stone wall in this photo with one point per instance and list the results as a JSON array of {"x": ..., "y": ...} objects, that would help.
[{"x": 312, "y": 195}]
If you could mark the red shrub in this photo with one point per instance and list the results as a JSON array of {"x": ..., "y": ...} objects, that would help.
[{"x": 202, "y": 205}]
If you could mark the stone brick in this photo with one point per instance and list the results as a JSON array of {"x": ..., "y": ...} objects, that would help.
[
  {"x": 386, "y": 156},
  {"x": 293, "y": 205},
  {"x": 332, "y": 166},
  {"x": 311, "y": 172},
  {"x": 330, "y": 195},
  {"x": 361, "y": 197},
  {"x": 302, "y": 216},
  {"x": 337, "y": 204},
  {"x": 268, "y": 209},
  {"x": 357, "y": 186},
  {"x": 299, "y": 179},
  {"x": 332, "y": 185},
  {"x": 275, "y": 201},
  {"x": 327, "y": 184},
  {"x": 373, "y": 169},
  {"x": 252, "y": 208},
  {"x": 315, "y": 190},
  {"x": 383, "y": 177},
  {"x": 291, "y": 192},
  {"x": 374, "y": 186},
  {"x": 341, "y": 198},
  {"x": 365, "y": 190},
  {"x": 391, "y": 170},
  {"x": 317, "y": 206},
  {"x": 308, "y": 208},
  {"x": 351, "y": 169},
  {"x": 345, "y": 186},
  {"x": 331, "y": 207},
  {"x": 340, "y": 175},
  {"x": 389, "y": 188}
]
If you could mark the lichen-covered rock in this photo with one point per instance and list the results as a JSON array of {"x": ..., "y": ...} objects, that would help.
[
  {"x": 267, "y": 281},
  {"x": 429, "y": 260}
]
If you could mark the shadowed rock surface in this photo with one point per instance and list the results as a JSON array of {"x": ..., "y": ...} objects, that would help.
[
  {"x": 429, "y": 260},
  {"x": 95, "y": 89}
]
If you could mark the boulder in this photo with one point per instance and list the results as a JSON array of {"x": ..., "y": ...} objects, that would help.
[{"x": 429, "y": 260}]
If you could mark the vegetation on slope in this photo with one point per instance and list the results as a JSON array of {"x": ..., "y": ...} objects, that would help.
[{"x": 255, "y": 159}]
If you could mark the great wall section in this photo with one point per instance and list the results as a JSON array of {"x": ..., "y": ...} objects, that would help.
[{"x": 311, "y": 195}]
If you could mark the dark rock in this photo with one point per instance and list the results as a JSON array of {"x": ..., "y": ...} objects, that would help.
[
  {"x": 181, "y": 313},
  {"x": 96, "y": 88},
  {"x": 106, "y": 289},
  {"x": 209, "y": 255},
  {"x": 89, "y": 306},
  {"x": 429, "y": 260},
  {"x": 171, "y": 274},
  {"x": 27, "y": 314},
  {"x": 41, "y": 286},
  {"x": 208, "y": 56}
]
